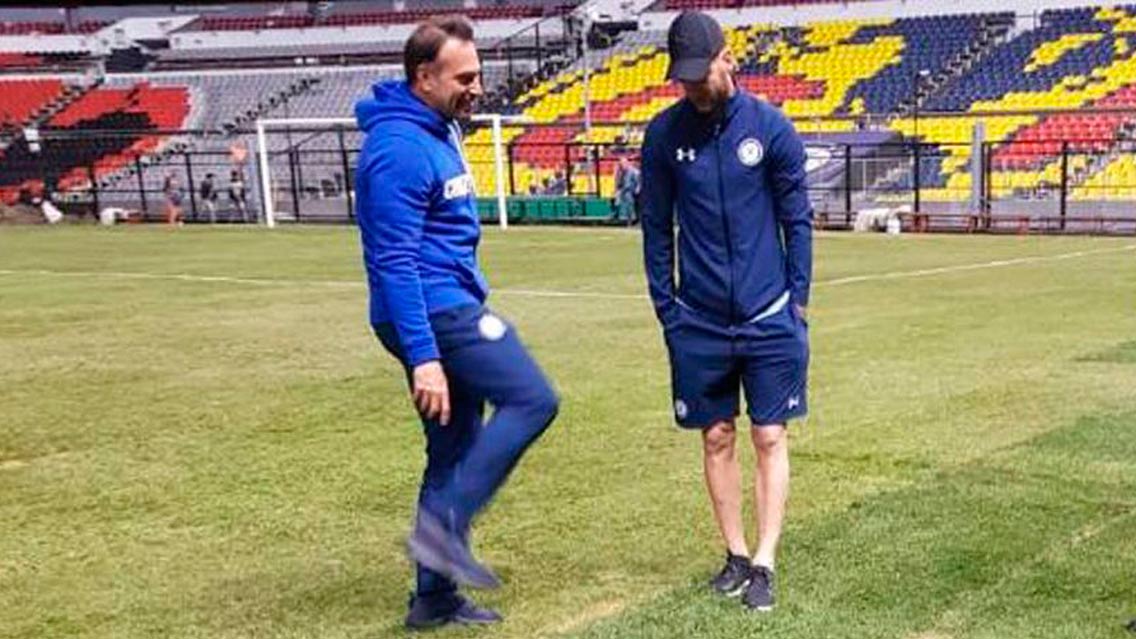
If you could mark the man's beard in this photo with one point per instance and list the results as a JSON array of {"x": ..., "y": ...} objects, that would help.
[{"x": 462, "y": 108}]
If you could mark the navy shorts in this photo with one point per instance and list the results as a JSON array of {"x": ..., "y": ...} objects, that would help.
[{"x": 768, "y": 359}]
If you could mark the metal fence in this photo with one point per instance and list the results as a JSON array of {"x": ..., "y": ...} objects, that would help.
[{"x": 1086, "y": 187}]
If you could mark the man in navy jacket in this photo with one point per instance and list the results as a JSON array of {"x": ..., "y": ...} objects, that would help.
[
  {"x": 729, "y": 170},
  {"x": 418, "y": 220}
]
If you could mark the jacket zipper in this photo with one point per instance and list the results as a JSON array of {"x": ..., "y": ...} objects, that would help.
[{"x": 725, "y": 217}]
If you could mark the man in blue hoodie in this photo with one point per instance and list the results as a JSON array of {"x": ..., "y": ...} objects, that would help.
[
  {"x": 730, "y": 170},
  {"x": 418, "y": 219}
]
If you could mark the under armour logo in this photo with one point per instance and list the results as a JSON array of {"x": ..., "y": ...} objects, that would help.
[
  {"x": 684, "y": 154},
  {"x": 794, "y": 402}
]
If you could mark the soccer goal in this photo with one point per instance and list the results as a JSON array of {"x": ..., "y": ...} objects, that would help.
[{"x": 307, "y": 166}]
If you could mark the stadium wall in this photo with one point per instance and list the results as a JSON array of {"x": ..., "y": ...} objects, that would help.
[
  {"x": 486, "y": 30},
  {"x": 41, "y": 43}
]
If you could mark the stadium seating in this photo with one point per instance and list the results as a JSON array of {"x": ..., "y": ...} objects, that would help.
[
  {"x": 681, "y": 5},
  {"x": 22, "y": 100},
  {"x": 1075, "y": 58},
  {"x": 815, "y": 72},
  {"x": 510, "y": 11},
  {"x": 10, "y": 60},
  {"x": 220, "y": 100},
  {"x": 251, "y": 23},
  {"x": 1115, "y": 182},
  {"x": 91, "y": 26},
  {"x": 223, "y": 98},
  {"x": 48, "y": 28},
  {"x": 71, "y": 161},
  {"x": 28, "y": 28},
  {"x": 43, "y": 62},
  {"x": 507, "y": 12},
  {"x": 1027, "y": 88}
]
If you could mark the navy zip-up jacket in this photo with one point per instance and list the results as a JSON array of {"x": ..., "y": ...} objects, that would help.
[
  {"x": 735, "y": 182},
  {"x": 417, "y": 215}
]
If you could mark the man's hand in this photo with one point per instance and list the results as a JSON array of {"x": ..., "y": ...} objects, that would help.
[
  {"x": 802, "y": 312},
  {"x": 431, "y": 393}
]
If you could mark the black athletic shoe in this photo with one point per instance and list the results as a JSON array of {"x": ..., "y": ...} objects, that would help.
[
  {"x": 447, "y": 609},
  {"x": 759, "y": 595},
  {"x": 733, "y": 578}
]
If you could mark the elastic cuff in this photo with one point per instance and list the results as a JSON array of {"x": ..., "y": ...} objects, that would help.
[{"x": 422, "y": 354}]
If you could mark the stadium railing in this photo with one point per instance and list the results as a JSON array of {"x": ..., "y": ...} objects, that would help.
[{"x": 312, "y": 174}]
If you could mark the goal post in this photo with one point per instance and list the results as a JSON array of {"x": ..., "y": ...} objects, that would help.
[{"x": 302, "y": 129}]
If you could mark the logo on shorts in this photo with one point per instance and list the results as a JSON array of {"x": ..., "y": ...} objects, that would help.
[
  {"x": 794, "y": 402},
  {"x": 491, "y": 327},
  {"x": 680, "y": 409},
  {"x": 750, "y": 152}
]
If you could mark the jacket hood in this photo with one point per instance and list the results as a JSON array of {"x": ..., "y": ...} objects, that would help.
[{"x": 393, "y": 101}]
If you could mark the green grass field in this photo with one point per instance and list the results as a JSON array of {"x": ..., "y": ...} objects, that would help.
[{"x": 183, "y": 455}]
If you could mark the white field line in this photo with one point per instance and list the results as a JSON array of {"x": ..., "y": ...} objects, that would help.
[
  {"x": 973, "y": 267},
  {"x": 523, "y": 292}
]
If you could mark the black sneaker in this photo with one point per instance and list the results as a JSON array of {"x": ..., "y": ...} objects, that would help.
[
  {"x": 733, "y": 578},
  {"x": 759, "y": 594},
  {"x": 447, "y": 609},
  {"x": 471, "y": 614}
]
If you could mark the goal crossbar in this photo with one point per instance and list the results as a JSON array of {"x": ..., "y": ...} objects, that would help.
[{"x": 264, "y": 125}]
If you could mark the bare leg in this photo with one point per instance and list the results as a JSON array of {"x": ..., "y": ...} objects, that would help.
[
  {"x": 724, "y": 483},
  {"x": 771, "y": 488}
]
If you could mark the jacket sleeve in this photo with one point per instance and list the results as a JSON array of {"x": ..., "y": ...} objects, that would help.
[
  {"x": 794, "y": 212},
  {"x": 399, "y": 181},
  {"x": 657, "y": 214}
]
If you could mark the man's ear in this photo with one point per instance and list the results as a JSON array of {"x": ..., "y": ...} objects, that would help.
[{"x": 422, "y": 75}]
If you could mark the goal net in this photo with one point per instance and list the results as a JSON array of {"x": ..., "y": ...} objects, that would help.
[{"x": 307, "y": 168}]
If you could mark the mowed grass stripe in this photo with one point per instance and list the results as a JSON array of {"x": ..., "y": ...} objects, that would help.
[
  {"x": 958, "y": 554},
  {"x": 195, "y": 460}
]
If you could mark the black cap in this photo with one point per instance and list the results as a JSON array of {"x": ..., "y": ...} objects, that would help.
[{"x": 694, "y": 40}]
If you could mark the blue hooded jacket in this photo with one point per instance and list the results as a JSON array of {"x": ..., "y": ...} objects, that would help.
[
  {"x": 735, "y": 183},
  {"x": 417, "y": 214}
]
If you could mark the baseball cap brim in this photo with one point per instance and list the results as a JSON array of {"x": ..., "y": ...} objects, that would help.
[{"x": 689, "y": 69}]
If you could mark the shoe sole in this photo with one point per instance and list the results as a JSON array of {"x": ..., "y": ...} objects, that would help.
[
  {"x": 476, "y": 622},
  {"x": 760, "y": 608},
  {"x": 426, "y": 626},
  {"x": 434, "y": 625},
  {"x": 736, "y": 592}
]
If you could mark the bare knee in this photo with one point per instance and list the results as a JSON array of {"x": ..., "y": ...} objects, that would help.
[
  {"x": 769, "y": 439},
  {"x": 718, "y": 439}
]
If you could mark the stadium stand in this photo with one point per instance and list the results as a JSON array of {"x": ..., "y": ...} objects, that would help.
[
  {"x": 702, "y": 5},
  {"x": 1075, "y": 58},
  {"x": 509, "y": 11},
  {"x": 48, "y": 28},
  {"x": 813, "y": 72},
  {"x": 21, "y": 101},
  {"x": 28, "y": 28},
  {"x": 10, "y": 60},
  {"x": 44, "y": 63},
  {"x": 137, "y": 109}
]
